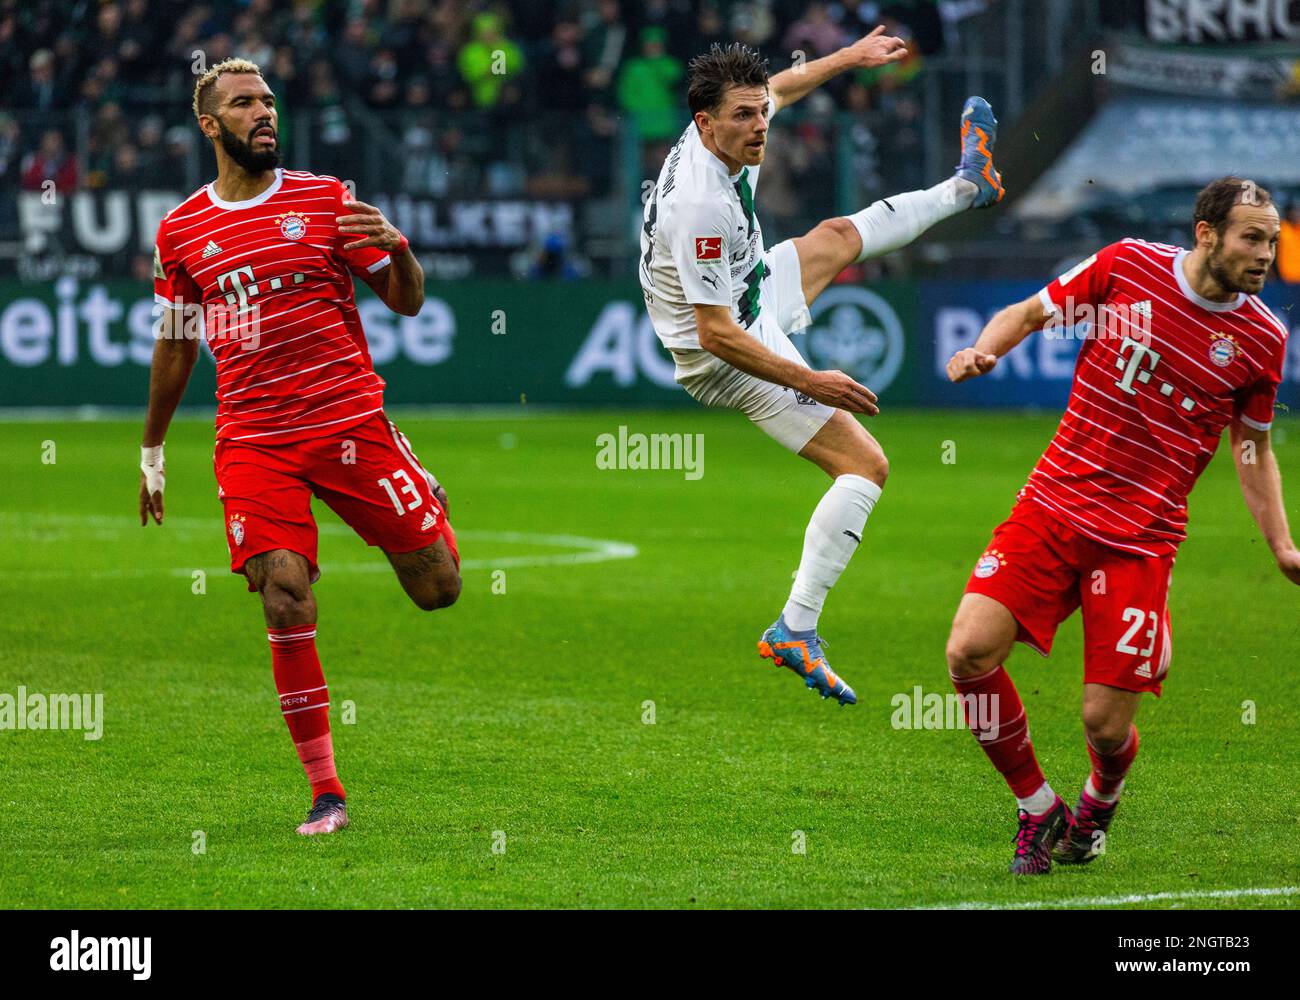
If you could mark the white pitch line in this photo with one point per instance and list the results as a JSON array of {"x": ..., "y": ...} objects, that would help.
[
  {"x": 590, "y": 550},
  {"x": 593, "y": 550},
  {"x": 1147, "y": 897}
]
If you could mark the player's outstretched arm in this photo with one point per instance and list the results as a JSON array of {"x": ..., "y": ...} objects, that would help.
[
  {"x": 1261, "y": 486},
  {"x": 1004, "y": 331},
  {"x": 724, "y": 338},
  {"x": 875, "y": 49},
  {"x": 173, "y": 360}
]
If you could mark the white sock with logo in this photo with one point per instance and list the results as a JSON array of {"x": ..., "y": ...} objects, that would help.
[
  {"x": 896, "y": 221},
  {"x": 834, "y": 532},
  {"x": 1039, "y": 802}
]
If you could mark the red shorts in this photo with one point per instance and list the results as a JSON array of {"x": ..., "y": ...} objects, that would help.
[
  {"x": 367, "y": 474},
  {"x": 1040, "y": 569}
]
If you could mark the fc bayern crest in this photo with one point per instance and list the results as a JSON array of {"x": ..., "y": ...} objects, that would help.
[
  {"x": 1223, "y": 349},
  {"x": 989, "y": 563},
  {"x": 293, "y": 226},
  {"x": 237, "y": 529}
]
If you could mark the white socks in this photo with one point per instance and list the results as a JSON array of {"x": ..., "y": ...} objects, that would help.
[
  {"x": 1039, "y": 802},
  {"x": 1091, "y": 789},
  {"x": 834, "y": 531},
  {"x": 896, "y": 221}
]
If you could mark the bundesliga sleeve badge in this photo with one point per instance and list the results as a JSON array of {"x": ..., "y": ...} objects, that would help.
[{"x": 708, "y": 248}]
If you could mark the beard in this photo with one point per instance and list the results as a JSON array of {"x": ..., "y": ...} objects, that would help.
[
  {"x": 242, "y": 152},
  {"x": 1219, "y": 271}
]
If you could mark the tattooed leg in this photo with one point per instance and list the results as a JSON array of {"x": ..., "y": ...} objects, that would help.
[
  {"x": 428, "y": 575},
  {"x": 282, "y": 578}
]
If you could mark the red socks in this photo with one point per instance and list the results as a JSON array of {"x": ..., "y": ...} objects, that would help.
[
  {"x": 304, "y": 701},
  {"x": 1109, "y": 769},
  {"x": 997, "y": 718}
]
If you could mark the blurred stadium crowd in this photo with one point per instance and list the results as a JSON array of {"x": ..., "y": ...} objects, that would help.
[
  {"x": 574, "y": 103},
  {"x": 582, "y": 63}
]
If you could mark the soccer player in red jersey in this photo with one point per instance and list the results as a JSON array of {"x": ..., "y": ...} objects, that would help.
[
  {"x": 1180, "y": 347},
  {"x": 260, "y": 264}
]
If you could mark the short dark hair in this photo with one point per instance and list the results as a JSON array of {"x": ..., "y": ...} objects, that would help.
[
  {"x": 1215, "y": 202},
  {"x": 723, "y": 66},
  {"x": 205, "y": 100}
]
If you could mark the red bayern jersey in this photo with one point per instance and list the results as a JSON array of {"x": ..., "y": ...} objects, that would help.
[
  {"x": 279, "y": 313},
  {"x": 1161, "y": 373}
]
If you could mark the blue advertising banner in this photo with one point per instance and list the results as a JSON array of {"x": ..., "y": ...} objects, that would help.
[{"x": 1037, "y": 373}]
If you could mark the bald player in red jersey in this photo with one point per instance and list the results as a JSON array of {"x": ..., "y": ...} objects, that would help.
[
  {"x": 1180, "y": 347},
  {"x": 260, "y": 263}
]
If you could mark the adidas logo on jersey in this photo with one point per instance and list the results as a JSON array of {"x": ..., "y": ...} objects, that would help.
[
  {"x": 1142, "y": 308},
  {"x": 211, "y": 250},
  {"x": 429, "y": 521}
]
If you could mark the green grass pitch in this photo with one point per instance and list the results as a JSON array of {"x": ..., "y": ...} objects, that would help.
[{"x": 519, "y": 719}]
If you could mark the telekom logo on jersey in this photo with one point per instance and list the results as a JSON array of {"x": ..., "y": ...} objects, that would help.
[
  {"x": 232, "y": 283},
  {"x": 241, "y": 292},
  {"x": 238, "y": 318}
]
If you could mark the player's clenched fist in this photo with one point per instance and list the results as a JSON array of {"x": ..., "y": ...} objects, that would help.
[
  {"x": 836, "y": 389},
  {"x": 970, "y": 363}
]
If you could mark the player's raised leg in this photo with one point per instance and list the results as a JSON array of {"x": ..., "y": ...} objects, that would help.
[
  {"x": 983, "y": 633},
  {"x": 1108, "y": 715},
  {"x": 429, "y": 575},
  {"x": 854, "y": 460},
  {"x": 896, "y": 221},
  {"x": 281, "y": 577},
  {"x": 395, "y": 504}
]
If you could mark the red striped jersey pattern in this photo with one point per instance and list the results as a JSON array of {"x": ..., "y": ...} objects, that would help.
[
  {"x": 278, "y": 307},
  {"x": 1161, "y": 373}
]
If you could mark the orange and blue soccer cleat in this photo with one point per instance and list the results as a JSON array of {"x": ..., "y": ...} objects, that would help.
[
  {"x": 1037, "y": 836},
  {"x": 328, "y": 813},
  {"x": 1086, "y": 837},
  {"x": 802, "y": 653},
  {"x": 979, "y": 130}
]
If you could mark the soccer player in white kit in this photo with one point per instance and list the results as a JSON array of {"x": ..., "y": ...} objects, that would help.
[{"x": 724, "y": 306}]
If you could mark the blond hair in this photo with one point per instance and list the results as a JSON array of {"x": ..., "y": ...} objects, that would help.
[{"x": 203, "y": 88}]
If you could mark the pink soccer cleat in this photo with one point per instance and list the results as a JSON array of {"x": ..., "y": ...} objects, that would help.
[
  {"x": 1085, "y": 838},
  {"x": 328, "y": 814},
  {"x": 1036, "y": 838}
]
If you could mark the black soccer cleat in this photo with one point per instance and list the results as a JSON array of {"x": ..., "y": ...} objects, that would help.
[
  {"x": 1036, "y": 838},
  {"x": 328, "y": 813},
  {"x": 1085, "y": 839}
]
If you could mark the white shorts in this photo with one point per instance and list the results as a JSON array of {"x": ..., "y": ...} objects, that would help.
[{"x": 788, "y": 416}]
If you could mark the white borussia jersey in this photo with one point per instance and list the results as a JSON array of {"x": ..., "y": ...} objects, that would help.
[{"x": 701, "y": 243}]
